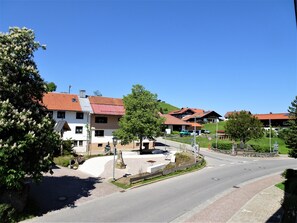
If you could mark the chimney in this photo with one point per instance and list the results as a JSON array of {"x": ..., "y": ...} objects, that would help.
[{"x": 82, "y": 93}]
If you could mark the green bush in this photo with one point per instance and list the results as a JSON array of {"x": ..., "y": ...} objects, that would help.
[
  {"x": 223, "y": 145},
  {"x": 7, "y": 213},
  {"x": 183, "y": 158},
  {"x": 63, "y": 160},
  {"x": 282, "y": 134},
  {"x": 175, "y": 132},
  {"x": 260, "y": 148},
  {"x": 67, "y": 148}
]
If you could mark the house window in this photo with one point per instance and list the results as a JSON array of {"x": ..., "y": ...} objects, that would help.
[
  {"x": 61, "y": 114},
  {"x": 75, "y": 143},
  {"x": 100, "y": 119},
  {"x": 79, "y": 115},
  {"x": 100, "y": 145},
  {"x": 99, "y": 132},
  {"x": 80, "y": 143},
  {"x": 78, "y": 129}
]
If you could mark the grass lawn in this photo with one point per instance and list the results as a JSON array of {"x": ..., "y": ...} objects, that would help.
[
  {"x": 167, "y": 107},
  {"x": 281, "y": 185},
  {"x": 206, "y": 140}
]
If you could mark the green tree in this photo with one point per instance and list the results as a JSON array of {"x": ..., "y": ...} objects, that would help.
[
  {"x": 27, "y": 139},
  {"x": 141, "y": 119},
  {"x": 243, "y": 126},
  {"x": 51, "y": 86},
  {"x": 291, "y": 136}
]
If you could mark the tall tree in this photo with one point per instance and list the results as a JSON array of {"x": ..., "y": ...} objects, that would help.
[
  {"x": 141, "y": 119},
  {"x": 27, "y": 139},
  {"x": 51, "y": 86},
  {"x": 243, "y": 126},
  {"x": 291, "y": 136}
]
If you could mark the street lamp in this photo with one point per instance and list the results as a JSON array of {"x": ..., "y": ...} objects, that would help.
[
  {"x": 217, "y": 126},
  {"x": 270, "y": 131},
  {"x": 194, "y": 141},
  {"x": 115, "y": 142}
]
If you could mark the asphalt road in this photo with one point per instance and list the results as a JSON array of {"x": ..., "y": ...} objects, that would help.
[{"x": 168, "y": 200}]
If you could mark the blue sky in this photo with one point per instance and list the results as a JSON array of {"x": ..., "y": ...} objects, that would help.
[{"x": 220, "y": 55}]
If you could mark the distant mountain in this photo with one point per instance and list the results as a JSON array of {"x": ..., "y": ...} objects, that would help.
[{"x": 165, "y": 108}]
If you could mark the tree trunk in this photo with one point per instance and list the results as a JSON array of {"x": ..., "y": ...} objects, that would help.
[{"x": 140, "y": 144}]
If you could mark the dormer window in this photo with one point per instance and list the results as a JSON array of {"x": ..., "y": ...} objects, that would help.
[{"x": 74, "y": 100}]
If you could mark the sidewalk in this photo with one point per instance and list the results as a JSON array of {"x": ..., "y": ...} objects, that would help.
[{"x": 253, "y": 202}]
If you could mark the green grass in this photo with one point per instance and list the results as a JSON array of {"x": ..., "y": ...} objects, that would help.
[
  {"x": 205, "y": 142},
  {"x": 212, "y": 127},
  {"x": 166, "y": 108},
  {"x": 281, "y": 185}
]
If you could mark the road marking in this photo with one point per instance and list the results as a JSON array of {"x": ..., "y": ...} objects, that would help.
[
  {"x": 232, "y": 163},
  {"x": 222, "y": 164}
]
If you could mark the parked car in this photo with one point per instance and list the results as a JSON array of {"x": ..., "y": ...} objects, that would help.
[
  {"x": 196, "y": 133},
  {"x": 184, "y": 133},
  {"x": 205, "y": 131}
]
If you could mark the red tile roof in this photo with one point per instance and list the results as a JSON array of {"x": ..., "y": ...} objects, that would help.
[
  {"x": 61, "y": 102},
  {"x": 196, "y": 124},
  {"x": 107, "y": 106},
  {"x": 183, "y": 110},
  {"x": 108, "y": 109},
  {"x": 277, "y": 116},
  {"x": 106, "y": 101},
  {"x": 171, "y": 120}
]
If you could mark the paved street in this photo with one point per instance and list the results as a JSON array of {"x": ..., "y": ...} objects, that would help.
[{"x": 179, "y": 198}]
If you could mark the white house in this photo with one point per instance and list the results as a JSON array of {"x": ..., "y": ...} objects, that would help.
[{"x": 76, "y": 111}]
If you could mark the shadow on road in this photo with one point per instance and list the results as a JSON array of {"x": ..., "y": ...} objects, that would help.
[{"x": 56, "y": 192}]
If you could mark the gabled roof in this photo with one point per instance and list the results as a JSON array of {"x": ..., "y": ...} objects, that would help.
[
  {"x": 171, "y": 120},
  {"x": 106, "y": 101},
  {"x": 183, "y": 110},
  {"x": 61, "y": 102},
  {"x": 107, "y": 106},
  {"x": 199, "y": 115},
  {"x": 276, "y": 116}
]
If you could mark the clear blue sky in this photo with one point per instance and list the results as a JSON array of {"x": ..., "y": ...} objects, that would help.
[{"x": 220, "y": 55}]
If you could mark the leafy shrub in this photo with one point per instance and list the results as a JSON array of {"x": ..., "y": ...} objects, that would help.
[
  {"x": 289, "y": 202},
  {"x": 7, "y": 213},
  {"x": 175, "y": 132},
  {"x": 183, "y": 158},
  {"x": 260, "y": 148},
  {"x": 223, "y": 145},
  {"x": 283, "y": 133},
  {"x": 63, "y": 160}
]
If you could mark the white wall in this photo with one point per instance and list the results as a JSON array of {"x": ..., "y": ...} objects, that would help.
[{"x": 70, "y": 117}]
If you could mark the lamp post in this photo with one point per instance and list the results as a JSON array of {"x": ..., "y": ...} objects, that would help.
[
  {"x": 217, "y": 126},
  {"x": 194, "y": 141},
  {"x": 270, "y": 132},
  {"x": 115, "y": 142}
]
